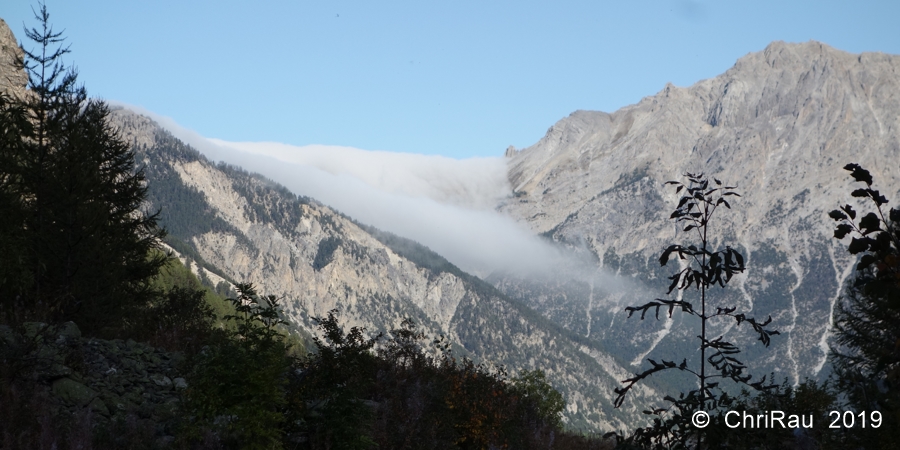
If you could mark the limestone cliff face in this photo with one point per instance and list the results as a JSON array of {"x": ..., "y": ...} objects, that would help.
[
  {"x": 243, "y": 227},
  {"x": 780, "y": 125},
  {"x": 283, "y": 260},
  {"x": 792, "y": 113},
  {"x": 284, "y": 257}
]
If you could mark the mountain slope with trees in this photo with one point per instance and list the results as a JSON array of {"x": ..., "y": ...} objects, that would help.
[
  {"x": 90, "y": 262},
  {"x": 781, "y": 122},
  {"x": 244, "y": 227}
]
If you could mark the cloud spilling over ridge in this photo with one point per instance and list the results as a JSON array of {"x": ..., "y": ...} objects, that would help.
[
  {"x": 473, "y": 183},
  {"x": 442, "y": 203},
  {"x": 476, "y": 240}
]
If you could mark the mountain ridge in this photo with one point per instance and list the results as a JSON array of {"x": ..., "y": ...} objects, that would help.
[
  {"x": 317, "y": 259},
  {"x": 607, "y": 168},
  {"x": 592, "y": 184},
  {"x": 780, "y": 124}
]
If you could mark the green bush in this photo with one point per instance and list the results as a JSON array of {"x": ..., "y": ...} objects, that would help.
[
  {"x": 334, "y": 383},
  {"x": 547, "y": 402},
  {"x": 407, "y": 396},
  {"x": 237, "y": 385}
]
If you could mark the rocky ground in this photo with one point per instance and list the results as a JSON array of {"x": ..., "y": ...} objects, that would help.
[{"x": 108, "y": 383}]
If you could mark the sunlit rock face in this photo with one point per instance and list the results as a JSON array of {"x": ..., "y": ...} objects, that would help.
[
  {"x": 233, "y": 225},
  {"x": 13, "y": 78},
  {"x": 779, "y": 125}
]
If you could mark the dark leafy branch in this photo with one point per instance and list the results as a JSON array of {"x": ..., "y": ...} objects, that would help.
[
  {"x": 659, "y": 303},
  {"x": 869, "y": 224},
  {"x": 701, "y": 268},
  {"x": 865, "y": 349},
  {"x": 765, "y": 335},
  {"x": 656, "y": 368}
]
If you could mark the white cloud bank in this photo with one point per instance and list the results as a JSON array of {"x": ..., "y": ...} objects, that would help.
[
  {"x": 442, "y": 203},
  {"x": 434, "y": 201},
  {"x": 473, "y": 183}
]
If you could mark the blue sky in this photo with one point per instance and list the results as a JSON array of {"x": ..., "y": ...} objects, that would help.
[{"x": 455, "y": 78}]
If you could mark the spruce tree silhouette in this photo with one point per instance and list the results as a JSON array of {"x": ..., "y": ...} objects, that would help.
[{"x": 87, "y": 243}]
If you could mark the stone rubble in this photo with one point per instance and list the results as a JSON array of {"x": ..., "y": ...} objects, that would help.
[{"x": 115, "y": 379}]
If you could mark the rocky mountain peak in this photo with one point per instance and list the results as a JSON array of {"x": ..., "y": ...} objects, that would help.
[
  {"x": 788, "y": 107},
  {"x": 781, "y": 124}
]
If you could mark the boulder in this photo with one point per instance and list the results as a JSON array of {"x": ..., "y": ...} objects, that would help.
[
  {"x": 161, "y": 380},
  {"x": 73, "y": 392},
  {"x": 99, "y": 407},
  {"x": 68, "y": 331}
]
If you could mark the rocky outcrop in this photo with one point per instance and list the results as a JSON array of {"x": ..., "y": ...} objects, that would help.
[
  {"x": 792, "y": 113},
  {"x": 13, "y": 78},
  {"x": 780, "y": 125}
]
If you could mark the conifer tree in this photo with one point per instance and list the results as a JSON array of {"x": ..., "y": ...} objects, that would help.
[
  {"x": 86, "y": 240},
  {"x": 14, "y": 276}
]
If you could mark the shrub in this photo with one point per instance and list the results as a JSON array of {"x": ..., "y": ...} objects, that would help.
[
  {"x": 702, "y": 268},
  {"x": 866, "y": 350},
  {"x": 236, "y": 390}
]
